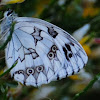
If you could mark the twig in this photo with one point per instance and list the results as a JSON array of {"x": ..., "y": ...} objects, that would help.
[
  {"x": 87, "y": 87},
  {"x": 8, "y": 70}
]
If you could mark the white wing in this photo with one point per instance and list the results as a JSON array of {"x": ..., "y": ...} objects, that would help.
[{"x": 44, "y": 52}]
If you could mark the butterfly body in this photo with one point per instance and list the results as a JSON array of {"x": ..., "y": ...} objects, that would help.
[{"x": 44, "y": 51}]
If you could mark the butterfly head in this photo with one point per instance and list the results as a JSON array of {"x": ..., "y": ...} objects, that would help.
[
  {"x": 9, "y": 13},
  {"x": 7, "y": 20}
]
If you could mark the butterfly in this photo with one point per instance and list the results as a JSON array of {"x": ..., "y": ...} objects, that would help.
[{"x": 44, "y": 52}]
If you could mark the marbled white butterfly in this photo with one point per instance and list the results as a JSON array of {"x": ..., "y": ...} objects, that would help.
[{"x": 44, "y": 52}]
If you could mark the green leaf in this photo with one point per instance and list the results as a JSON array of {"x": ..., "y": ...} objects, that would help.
[{"x": 8, "y": 70}]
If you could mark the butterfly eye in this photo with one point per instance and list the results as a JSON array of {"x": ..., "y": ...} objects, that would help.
[
  {"x": 9, "y": 12},
  {"x": 51, "y": 55},
  {"x": 54, "y": 48},
  {"x": 30, "y": 71},
  {"x": 39, "y": 68}
]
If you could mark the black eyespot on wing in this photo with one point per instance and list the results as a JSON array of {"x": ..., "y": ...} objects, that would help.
[
  {"x": 51, "y": 55},
  {"x": 57, "y": 77},
  {"x": 20, "y": 72},
  {"x": 72, "y": 44},
  {"x": 65, "y": 51},
  {"x": 55, "y": 34},
  {"x": 70, "y": 55},
  {"x": 68, "y": 47},
  {"x": 52, "y": 32},
  {"x": 39, "y": 68},
  {"x": 73, "y": 73},
  {"x": 54, "y": 48},
  {"x": 29, "y": 71}
]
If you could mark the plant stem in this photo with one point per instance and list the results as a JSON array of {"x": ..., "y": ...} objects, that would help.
[
  {"x": 9, "y": 37},
  {"x": 8, "y": 70},
  {"x": 87, "y": 87}
]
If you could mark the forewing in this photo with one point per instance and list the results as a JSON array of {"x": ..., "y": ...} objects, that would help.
[{"x": 44, "y": 52}]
